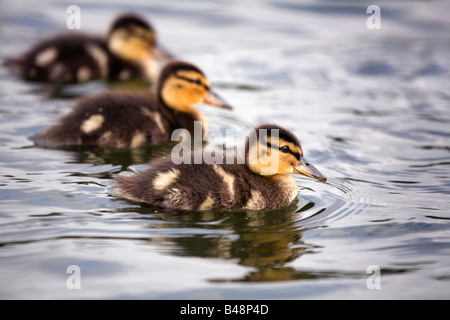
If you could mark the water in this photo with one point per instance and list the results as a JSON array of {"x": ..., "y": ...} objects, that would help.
[{"x": 371, "y": 107}]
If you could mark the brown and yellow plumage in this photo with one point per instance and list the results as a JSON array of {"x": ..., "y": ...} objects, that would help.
[
  {"x": 126, "y": 53},
  {"x": 209, "y": 186},
  {"x": 129, "y": 120}
]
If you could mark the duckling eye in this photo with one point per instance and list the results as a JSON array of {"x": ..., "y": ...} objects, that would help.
[
  {"x": 284, "y": 149},
  {"x": 197, "y": 81}
]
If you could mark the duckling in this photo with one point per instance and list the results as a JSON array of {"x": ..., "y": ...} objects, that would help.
[
  {"x": 128, "y": 52},
  {"x": 261, "y": 182},
  {"x": 129, "y": 120}
]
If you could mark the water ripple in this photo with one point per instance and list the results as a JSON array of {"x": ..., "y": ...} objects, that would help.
[{"x": 338, "y": 200}]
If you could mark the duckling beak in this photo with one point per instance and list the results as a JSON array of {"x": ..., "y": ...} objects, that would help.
[
  {"x": 215, "y": 100},
  {"x": 307, "y": 169},
  {"x": 161, "y": 53}
]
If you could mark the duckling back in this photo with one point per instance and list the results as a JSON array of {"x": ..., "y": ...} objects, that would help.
[
  {"x": 128, "y": 120},
  {"x": 111, "y": 120},
  {"x": 72, "y": 58},
  {"x": 205, "y": 186}
]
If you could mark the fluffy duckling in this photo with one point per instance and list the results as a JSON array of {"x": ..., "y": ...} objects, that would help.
[
  {"x": 262, "y": 182},
  {"x": 128, "y": 52},
  {"x": 129, "y": 120}
]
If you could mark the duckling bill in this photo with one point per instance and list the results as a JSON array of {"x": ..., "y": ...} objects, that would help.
[
  {"x": 126, "y": 53},
  {"x": 130, "y": 120},
  {"x": 256, "y": 185}
]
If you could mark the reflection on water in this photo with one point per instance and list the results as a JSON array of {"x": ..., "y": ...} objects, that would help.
[
  {"x": 265, "y": 241},
  {"x": 125, "y": 158}
]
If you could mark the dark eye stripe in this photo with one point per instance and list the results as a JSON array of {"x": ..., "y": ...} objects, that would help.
[
  {"x": 195, "y": 81},
  {"x": 295, "y": 154}
]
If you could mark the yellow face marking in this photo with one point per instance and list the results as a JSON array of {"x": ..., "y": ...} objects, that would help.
[
  {"x": 228, "y": 180},
  {"x": 193, "y": 75},
  {"x": 93, "y": 123},
  {"x": 46, "y": 56},
  {"x": 133, "y": 43},
  {"x": 150, "y": 68},
  {"x": 181, "y": 93},
  {"x": 165, "y": 179},
  {"x": 256, "y": 201},
  {"x": 266, "y": 160},
  {"x": 281, "y": 143}
]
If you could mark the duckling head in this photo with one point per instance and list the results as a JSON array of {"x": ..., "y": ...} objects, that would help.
[
  {"x": 182, "y": 86},
  {"x": 132, "y": 38},
  {"x": 273, "y": 150}
]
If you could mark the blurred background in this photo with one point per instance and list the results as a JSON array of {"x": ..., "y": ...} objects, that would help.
[{"x": 371, "y": 107}]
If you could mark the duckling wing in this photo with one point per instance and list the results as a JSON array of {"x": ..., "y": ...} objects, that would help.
[
  {"x": 109, "y": 120},
  {"x": 191, "y": 186},
  {"x": 166, "y": 185},
  {"x": 63, "y": 59}
]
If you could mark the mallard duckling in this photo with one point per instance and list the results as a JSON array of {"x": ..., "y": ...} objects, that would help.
[
  {"x": 127, "y": 53},
  {"x": 262, "y": 182},
  {"x": 129, "y": 120}
]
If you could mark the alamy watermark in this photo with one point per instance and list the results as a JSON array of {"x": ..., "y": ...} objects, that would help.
[
  {"x": 73, "y": 21},
  {"x": 374, "y": 21},
  {"x": 74, "y": 280},
  {"x": 260, "y": 144},
  {"x": 374, "y": 280}
]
